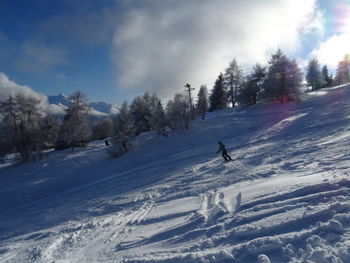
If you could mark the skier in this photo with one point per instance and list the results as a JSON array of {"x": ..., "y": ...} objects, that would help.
[{"x": 223, "y": 150}]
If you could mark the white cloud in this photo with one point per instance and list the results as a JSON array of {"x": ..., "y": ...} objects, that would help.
[
  {"x": 37, "y": 57},
  {"x": 333, "y": 50},
  {"x": 60, "y": 76},
  {"x": 161, "y": 45},
  {"x": 10, "y": 88},
  {"x": 316, "y": 23},
  {"x": 54, "y": 109},
  {"x": 97, "y": 113}
]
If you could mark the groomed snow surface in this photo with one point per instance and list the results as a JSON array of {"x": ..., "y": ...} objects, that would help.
[{"x": 284, "y": 198}]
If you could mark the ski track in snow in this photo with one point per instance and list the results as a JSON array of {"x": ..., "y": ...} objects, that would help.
[{"x": 285, "y": 197}]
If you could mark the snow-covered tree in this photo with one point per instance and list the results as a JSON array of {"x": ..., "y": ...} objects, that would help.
[
  {"x": 283, "y": 78},
  {"x": 252, "y": 88},
  {"x": 218, "y": 98},
  {"x": 50, "y": 127},
  {"x": 5, "y": 146},
  {"x": 177, "y": 112},
  {"x": 343, "y": 71},
  {"x": 158, "y": 120},
  {"x": 75, "y": 129},
  {"x": 21, "y": 126},
  {"x": 202, "y": 101},
  {"x": 9, "y": 125},
  {"x": 313, "y": 75},
  {"x": 233, "y": 80},
  {"x": 30, "y": 132},
  {"x": 140, "y": 111},
  {"x": 124, "y": 129}
]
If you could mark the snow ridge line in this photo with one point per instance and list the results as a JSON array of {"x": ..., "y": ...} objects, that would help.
[
  {"x": 323, "y": 188},
  {"x": 249, "y": 232}
]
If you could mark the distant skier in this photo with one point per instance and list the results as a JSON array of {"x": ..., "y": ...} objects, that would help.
[
  {"x": 106, "y": 142},
  {"x": 223, "y": 150}
]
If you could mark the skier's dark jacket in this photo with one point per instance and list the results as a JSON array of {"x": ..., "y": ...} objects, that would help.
[{"x": 222, "y": 148}]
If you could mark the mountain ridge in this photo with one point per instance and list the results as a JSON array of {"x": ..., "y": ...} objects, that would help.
[{"x": 98, "y": 108}]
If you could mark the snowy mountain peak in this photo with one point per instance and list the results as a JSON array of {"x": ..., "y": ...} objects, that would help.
[
  {"x": 59, "y": 99},
  {"x": 97, "y": 108}
]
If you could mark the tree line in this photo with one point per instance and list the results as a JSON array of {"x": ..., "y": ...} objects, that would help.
[
  {"x": 279, "y": 80},
  {"x": 26, "y": 130}
]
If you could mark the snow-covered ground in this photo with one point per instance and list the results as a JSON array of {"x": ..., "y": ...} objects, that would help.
[{"x": 284, "y": 198}]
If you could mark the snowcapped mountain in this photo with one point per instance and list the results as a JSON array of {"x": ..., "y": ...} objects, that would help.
[
  {"x": 97, "y": 108},
  {"x": 104, "y": 107},
  {"x": 59, "y": 99},
  {"x": 284, "y": 198}
]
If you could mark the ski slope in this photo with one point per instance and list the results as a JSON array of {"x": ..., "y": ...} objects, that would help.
[{"x": 284, "y": 198}]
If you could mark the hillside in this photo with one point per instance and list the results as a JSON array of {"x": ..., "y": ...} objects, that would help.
[{"x": 284, "y": 198}]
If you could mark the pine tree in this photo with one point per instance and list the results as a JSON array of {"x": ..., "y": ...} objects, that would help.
[
  {"x": 274, "y": 85},
  {"x": 202, "y": 101},
  {"x": 233, "y": 80},
  {"x": 74, "y": 131},
  {"x": 253, "y": 86},
  {"x": 218, "y": 95},
  {"x": 314, "y": 75},
  {"x": 283, "y": 78},
  {"x": 294, "y": 78},
  {"x": 343, "y": 71},
  {"x": 327, "y": 78}
]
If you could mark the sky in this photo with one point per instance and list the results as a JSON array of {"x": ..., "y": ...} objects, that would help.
[{"x": 115, "y": 50}]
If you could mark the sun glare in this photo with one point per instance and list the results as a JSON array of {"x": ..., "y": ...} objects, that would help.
[
  {"x": 347, "y": 24},
  {"x": 342, "y": 18}
]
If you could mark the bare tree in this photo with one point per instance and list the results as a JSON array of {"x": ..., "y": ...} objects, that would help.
[
  {"x": 202, "y": 101},
  {"x": 140, "y": 111},
  {"x": 233, "y": 80},
  {"x": 178, "y": 112},
  {"x": 124, "y": 129},
  {"x": 9, "y": 125},
  {"x": 21, "y": 126},
  {"x": 102, "y": 129},
  {"x": 51, "y": 128},
  {"x": 75, "y": 130},
  {"x": 158, "y": 121}
]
